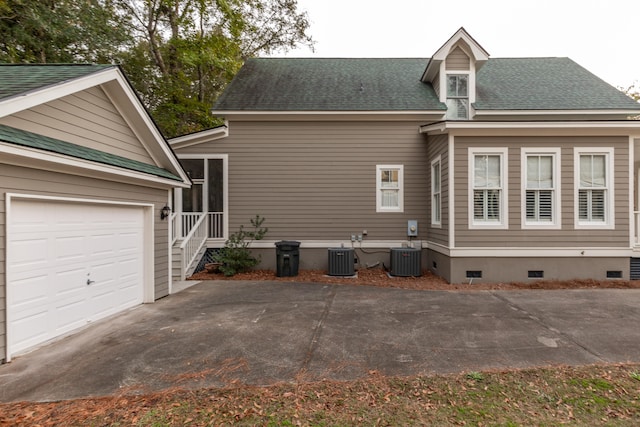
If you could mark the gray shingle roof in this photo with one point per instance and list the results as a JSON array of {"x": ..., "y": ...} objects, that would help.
[
  {"x": 40, "y": 142},
  {"x": 329, "y": 84},
  {"x": 545, "y": 84},
  {"x": 17, "y": 79},
  {"x": 388, "y": 84}
]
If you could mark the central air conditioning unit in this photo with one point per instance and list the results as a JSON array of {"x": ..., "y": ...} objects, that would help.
[
  {"x": 341, "y": 262},
  {"x": 406, "y": 262}
]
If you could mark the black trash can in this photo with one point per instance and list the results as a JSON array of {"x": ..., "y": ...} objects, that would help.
[{"x": 287, "y": 258}]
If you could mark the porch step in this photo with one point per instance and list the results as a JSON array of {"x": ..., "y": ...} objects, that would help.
[{"x": 176, "y": 263}]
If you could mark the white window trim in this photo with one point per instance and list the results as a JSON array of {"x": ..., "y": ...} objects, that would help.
[
  {"x": 557, "y": 212},
  {"x": 504, "y": 212},
  {"x": 434, "y": 223},
  {"x": 609, "y": 214},
  {"x": 469, "y": 90},
  {"x": 400, "y": 207}
]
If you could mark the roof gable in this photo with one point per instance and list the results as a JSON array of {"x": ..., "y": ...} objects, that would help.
[
  {"x": 19, "y": 79},
  {"x": 28, "y": 139},
  {"x": 461, "y": 39},
  {"x": 31, "y": 86}
]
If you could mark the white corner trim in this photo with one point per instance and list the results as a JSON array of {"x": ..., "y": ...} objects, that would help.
[{"x": 451, "y": 196}]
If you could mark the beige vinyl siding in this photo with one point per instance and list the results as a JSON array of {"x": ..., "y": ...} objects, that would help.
[
  {"x": 317, "y": 181},
  {"x": 38, "y": 182},
  {"x": 458, "y": 60},
  {"x": 439, "y": 146},
  {"x": 86, "y": 118},
  {"x": 567, "y": 236}
]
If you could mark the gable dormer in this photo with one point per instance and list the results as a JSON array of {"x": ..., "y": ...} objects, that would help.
[{"x": 452, "y": 73}]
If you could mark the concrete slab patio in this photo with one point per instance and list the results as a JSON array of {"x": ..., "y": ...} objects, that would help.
[{"x": 215, "y": 333}]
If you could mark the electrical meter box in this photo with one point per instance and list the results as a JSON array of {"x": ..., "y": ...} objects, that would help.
[{"x": 412, "y": 228}]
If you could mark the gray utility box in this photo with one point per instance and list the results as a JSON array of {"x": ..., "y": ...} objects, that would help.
[
  {"x": 406, "y": 262},
  {"x": 341, "y": 262},
  {"x": 287, "y": 258}
]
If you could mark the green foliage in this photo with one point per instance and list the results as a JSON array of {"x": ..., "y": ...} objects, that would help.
[
  {"x": 235, "y": 256},
  {"x": 187, "y": 51},
  {"x": 61, "y": 31},
  {"x": 475, "y": 376},
  {"x": 178, "y": 54}
]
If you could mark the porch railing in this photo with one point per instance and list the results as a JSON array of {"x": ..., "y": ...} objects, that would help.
[
  {"x": 216, "y": 225},
  {"x": 188, "y": 221},
  {"x": 182, "y": 224}
]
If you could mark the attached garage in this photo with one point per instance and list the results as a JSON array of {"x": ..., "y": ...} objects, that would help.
[
  {"x": 84, "y": 175},
  {"x": 69, "y": 264}
]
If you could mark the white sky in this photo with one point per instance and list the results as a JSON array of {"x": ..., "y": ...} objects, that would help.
[{"x": 601, "y": 35}]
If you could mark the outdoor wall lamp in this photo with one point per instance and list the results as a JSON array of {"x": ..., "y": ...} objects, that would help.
[{"x": 164, "y": 212}]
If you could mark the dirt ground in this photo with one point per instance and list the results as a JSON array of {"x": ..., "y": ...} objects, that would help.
[{"x": 428, "y": 281}]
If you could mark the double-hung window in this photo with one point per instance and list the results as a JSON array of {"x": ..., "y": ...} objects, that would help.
[
  {"x": 594, "y": 187},
  {"x": 436, "y": 193},
  {"x": 389, "y": 188},
  {"x": 458, "y": 96},
  {"x": 541, "y": 192},
  {"x": 487, "y": 172}
]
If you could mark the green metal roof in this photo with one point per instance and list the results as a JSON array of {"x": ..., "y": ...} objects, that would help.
[
  {"x": 40, "y": 142},
  {"x": 330, "y": 84},
  {"x": 388, "y": 84},
  {"x": 18, "y": 79}
]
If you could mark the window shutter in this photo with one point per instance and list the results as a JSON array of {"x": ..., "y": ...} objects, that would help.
[
  {"x": 546, "y": 205},
  {"x": 597, "y": 205}
]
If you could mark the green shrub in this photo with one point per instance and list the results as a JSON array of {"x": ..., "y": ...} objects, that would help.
[{"x": 235, "y": 257}]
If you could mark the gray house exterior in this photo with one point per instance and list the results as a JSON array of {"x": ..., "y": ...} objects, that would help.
[
  {"x": 514, "y": 169},
  {"x": 84, "y": 175}
]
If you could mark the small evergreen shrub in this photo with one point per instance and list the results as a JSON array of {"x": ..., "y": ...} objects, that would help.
[{"x": 235, "y": 257}]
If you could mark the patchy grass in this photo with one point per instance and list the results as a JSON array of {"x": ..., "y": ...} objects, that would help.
[{"x": 592, "y": 395}]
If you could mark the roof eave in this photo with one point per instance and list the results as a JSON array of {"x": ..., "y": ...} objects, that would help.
[
  {"x": 394, "y": 115},
  {"x": 46, "y": 160},
  {"x": 200, "y": 137},
  {"x": 600, "y": 112},
  {"x": 535, "y": 127}
]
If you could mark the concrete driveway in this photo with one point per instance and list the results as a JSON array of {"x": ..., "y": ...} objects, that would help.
[{"x": 264, "y": 332}]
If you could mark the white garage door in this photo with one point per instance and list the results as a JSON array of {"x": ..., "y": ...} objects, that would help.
[{"x": 69, "y": 264}]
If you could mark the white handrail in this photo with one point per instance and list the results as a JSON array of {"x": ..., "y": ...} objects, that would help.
[
  {"x": 173, "y": 229},
  {"x": 193, "y": 242}
]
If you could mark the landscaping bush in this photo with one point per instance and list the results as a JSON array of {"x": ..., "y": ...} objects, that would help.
[{"x": 235, "y": 257}]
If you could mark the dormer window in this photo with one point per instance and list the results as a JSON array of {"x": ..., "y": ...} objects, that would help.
[
  {"x": 458, "y": 96},
  {"x": 452, "y": 73}
]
